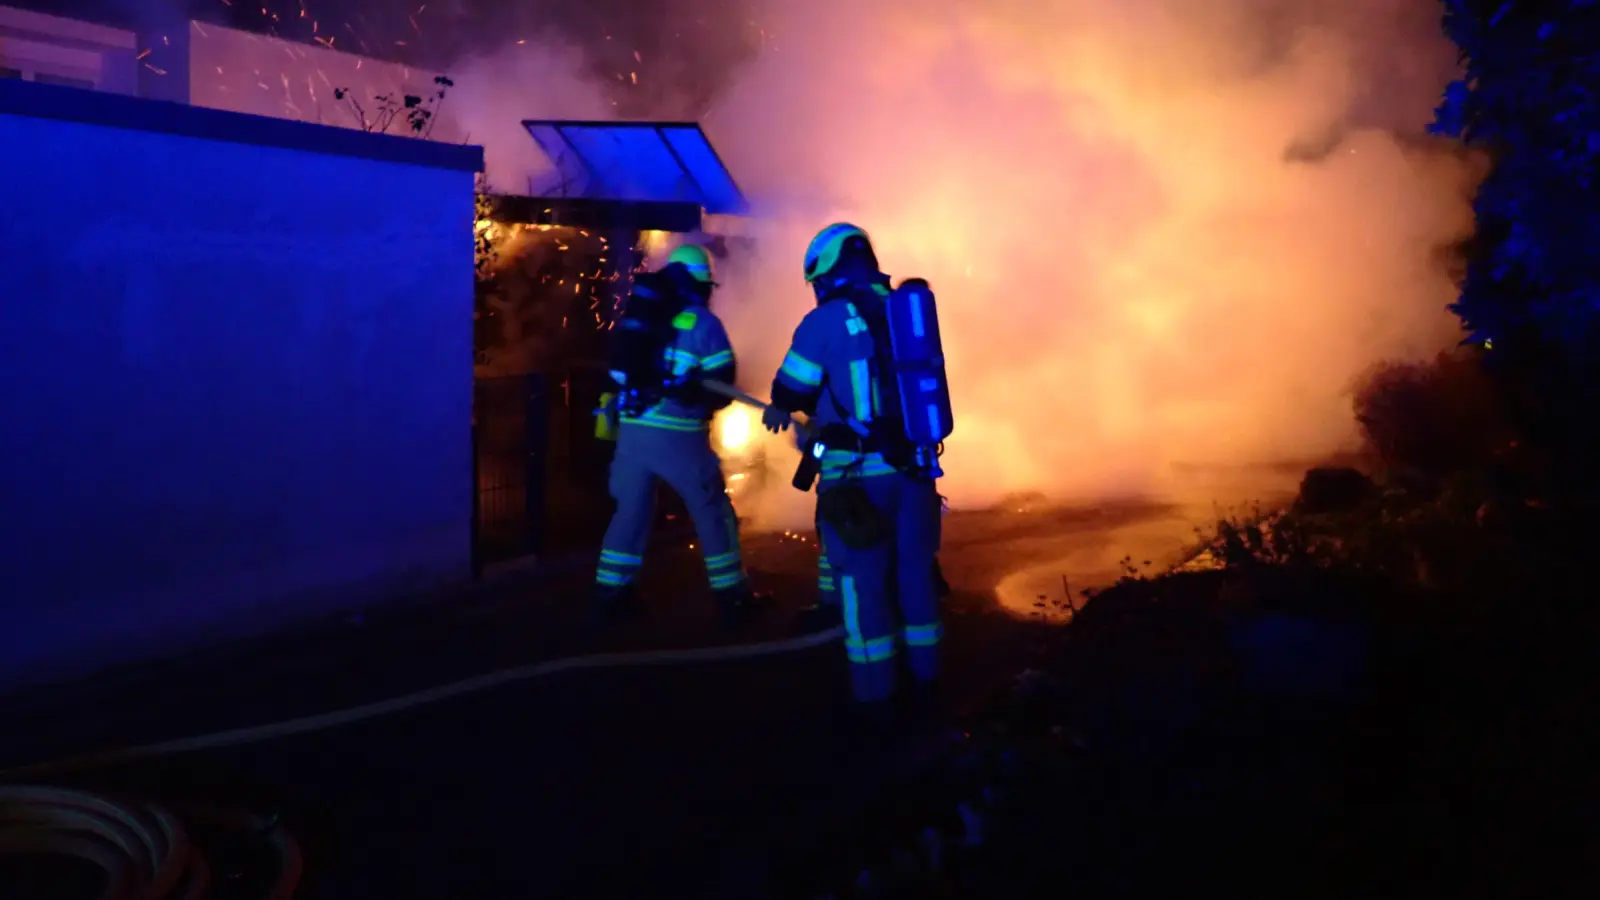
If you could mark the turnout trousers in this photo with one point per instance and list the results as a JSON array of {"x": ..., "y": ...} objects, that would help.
[
  {"x": 685, "y": 461},
  {"x": 888, "y": 592},
  {"x": 828, "y": 583}
]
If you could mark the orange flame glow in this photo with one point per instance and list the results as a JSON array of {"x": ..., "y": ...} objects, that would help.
[{"x": 1161, "y": 232}]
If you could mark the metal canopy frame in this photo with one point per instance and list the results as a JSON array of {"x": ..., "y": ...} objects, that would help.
[
  {"x": 604, "y": 215},
  {"x": 658, "y": 162}
]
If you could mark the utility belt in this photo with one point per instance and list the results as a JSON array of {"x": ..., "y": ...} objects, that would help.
[
  {"x": 633, "y": 400},
  {"x": 629, "y": 403},
  {"x": 838, "y": 437},
  {"x": 614, "y": 406},
  {"x": 845, "y": 505}
]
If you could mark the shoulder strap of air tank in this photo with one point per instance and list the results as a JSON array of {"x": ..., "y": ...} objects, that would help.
[{"x": 847, "y": 416}]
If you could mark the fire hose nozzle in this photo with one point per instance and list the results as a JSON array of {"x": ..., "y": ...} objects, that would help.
[{"x": 728, "y": 390}]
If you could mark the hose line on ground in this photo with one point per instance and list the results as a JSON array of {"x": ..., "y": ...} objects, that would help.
[
  {"x": 339, "y": 718},
  {"x": 145, "y": 851}
]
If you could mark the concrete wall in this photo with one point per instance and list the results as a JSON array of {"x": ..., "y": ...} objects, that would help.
[
  {"x": 267, "y": 76},
  {"x": 236, "y": 357},
  {"x": 120, "y": 48},
  {"x": 42, "y": 46}
]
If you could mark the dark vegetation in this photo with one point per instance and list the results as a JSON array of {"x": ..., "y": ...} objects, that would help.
[
  {"x": 1383, "y": 690},
  {"x": 413, "y": 113},
  {"x": 1379, "y": 691}
]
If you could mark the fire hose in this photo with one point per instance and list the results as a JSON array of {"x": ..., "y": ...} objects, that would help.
[
  {"x": 733, "y": 393},
  {"x": 145, "y": 852},
  {"x": 728, "y": 390},
  {"x": 802, "y": 430}
]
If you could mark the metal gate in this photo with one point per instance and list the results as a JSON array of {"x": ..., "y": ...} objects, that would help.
[
  {"x": 580, "y": 464},
  {"x": 580, "y": 498},
  {"x": 541, "y": 475},
  {"x": 510, "y": 464}
]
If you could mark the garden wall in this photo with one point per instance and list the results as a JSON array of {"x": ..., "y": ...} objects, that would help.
[{"x": 236, "y": 354}]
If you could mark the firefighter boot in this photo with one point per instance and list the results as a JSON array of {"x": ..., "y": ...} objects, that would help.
[
  {"x": 819, "y": 616},
  {"x": 738, "y": 604},
  {"x": 925, "y": 707},
  {"x": 612, "y": 603},
  {"x": 872, "y": 724}
]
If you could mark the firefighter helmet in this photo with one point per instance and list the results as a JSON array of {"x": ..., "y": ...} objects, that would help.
[
  {"x": 697, "y": 260},
  {"x": 839, "y": 241}
]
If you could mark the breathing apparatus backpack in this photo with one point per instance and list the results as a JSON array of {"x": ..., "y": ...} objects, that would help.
[
  {"x": 914, "y": 356},
  {"x": 637, "y": 357},
  {"x": 908, "y": 366},
  {"x": 913, "y": 390}
]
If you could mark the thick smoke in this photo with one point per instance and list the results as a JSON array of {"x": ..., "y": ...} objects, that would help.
[
  {"x": 539, "y": 78},
  {"x": 1162, "y": 232}
]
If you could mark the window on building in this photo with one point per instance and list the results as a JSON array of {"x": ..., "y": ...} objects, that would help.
[
  {"x": 63, "y": 80},
  {"x": 50, "y": 63}
]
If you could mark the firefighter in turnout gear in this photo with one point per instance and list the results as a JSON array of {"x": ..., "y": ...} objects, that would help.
[
  {"x": 826, "y": 612},
  {"x": 665, "y": 343},
  {"x": 860, "y": 366}
]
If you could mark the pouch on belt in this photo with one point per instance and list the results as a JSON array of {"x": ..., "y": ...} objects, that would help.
[{"x": 849, "y": 511}]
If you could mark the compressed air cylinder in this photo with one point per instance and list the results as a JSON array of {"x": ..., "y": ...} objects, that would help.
[{"x": 918, "y": 354}]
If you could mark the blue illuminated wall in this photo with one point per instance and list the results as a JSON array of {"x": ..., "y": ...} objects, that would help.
[{"x": 236, "y": 357}]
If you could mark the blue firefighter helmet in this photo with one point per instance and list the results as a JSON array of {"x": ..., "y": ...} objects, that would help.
[{"x": 839, "y": 243}]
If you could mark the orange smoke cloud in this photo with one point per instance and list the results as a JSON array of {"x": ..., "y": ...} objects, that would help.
[{"x": 1161, "y": 232}]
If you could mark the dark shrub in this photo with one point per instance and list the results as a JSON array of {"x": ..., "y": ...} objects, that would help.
[
  {"x": 1333, "y": 489},
  {"x": 1431, "y": 419}
]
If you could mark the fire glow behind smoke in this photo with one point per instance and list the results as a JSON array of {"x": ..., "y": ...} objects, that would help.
[{"x": 1161, "y": 232}]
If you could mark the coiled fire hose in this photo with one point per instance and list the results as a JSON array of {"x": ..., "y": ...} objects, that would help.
[{"x": 145, "y": 852}]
